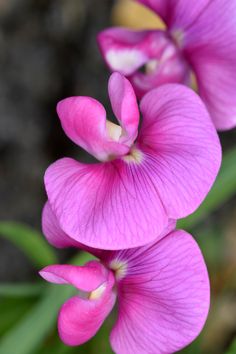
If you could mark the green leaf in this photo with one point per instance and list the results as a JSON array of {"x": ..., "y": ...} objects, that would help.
[
  {"x": 232, "y": 349},
  {"x": 30, "y": 241},
  {"x": 223, "y": 189},
  {"x": 21, "y": 289},
  {"x": 55, "y": 346},
  {"x": 28, "y": 334},
  {"x": 12, "y": 310}
]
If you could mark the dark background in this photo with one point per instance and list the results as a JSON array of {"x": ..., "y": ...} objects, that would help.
[{"x": 48, "y": 51}]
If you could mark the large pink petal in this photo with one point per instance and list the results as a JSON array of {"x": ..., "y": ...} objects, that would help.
[
  {"x": 178, "y": 14},
  {"x": 109, "y": 206},
  {"x": 80, "y": 319},
  {"x": 210, "y": 44},
  {"x": 182, "y": 149},
  {"x": 214, "y": 29},
  {"x": 164, "y": 297},
  {"x": 84, "y": 121},
  {"x": 126, "y": 50},
  {"x": 125, "y": 106},
  {"x": 87, "y": 278},
  {"x": 216, "y": 79}
]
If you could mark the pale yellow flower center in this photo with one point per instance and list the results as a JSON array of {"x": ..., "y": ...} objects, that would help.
[
  {"x": 119, "y": 267},
  {"x": 135, "y": 156}
]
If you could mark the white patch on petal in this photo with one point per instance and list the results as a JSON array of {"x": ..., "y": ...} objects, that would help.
[
  {"x": 125, "y": 61},
  {"x": 96, "y": 294},
  {"x": 114, "y": 130},
  {"x": 168, "y": 53}
]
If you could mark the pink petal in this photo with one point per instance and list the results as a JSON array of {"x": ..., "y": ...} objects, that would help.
[
  {"x": 122, "y": 49},
  {"x": 126, "y": 50},
  {"x": 183, "y": 152},
  {"x": 210, "y": 44},
  {"x": 164, "y": 298},
  {"x": 163, "y": 62},
  {"x": 125, "y": 106},
  {"x": 52, "y": 231},
  {"x": 87, "y": 278},
  {"x": 109, "y": 206},
  {"x": 121, "y": 256},
  {"x": 215, "y": 25},
  {"x": 127, "y": 202},
  {"x": 84, "y": 121},
  {"x": 80, "y": 319},
  {"x": 172, "y": 70},
  {"x": 177, "y": 14},
  {"x": 57, "y": 237},
  {"x": 217, "y": 87}
]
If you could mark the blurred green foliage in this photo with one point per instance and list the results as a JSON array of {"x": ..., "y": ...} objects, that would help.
[{"x": 30, "y": 242}]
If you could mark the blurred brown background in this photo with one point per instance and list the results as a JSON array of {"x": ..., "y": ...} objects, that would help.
[{"x": 48, "y": 51}]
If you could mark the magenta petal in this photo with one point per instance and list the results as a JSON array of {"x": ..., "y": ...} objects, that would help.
[
  {"x": 57, "y": 237},
  {"x": 52, "y": 231},
  {"x": 125, "y": 106},
  {"x": 164, "y": 297},
  {"x": 217, "y": 87},
  {"x": 113, "y": 205},
  {"x": 87, "y": 278},
  {"x": 214, "y": 28},
  {"x": 183, "y": 152},
  {"x": 126, "y": 50},
  {"x": 84, "y": 121},
  {"x": 120, "y": 256},
  {"x": 178, "y": 14},
  {"x": 211, "y": 48},
  {"x": 163, "y": 61},
  {"x": 80, "y": 319},
  {"x": 123, "y": 49}
]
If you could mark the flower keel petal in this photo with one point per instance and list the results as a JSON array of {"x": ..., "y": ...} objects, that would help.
[{"x": 80, "y": 319}]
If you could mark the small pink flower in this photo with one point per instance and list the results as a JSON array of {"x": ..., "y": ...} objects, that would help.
[
  {"x": 200, "y": 38},
  {"x": 162, "y": 291},
  {"x": 163, "y": 172}
]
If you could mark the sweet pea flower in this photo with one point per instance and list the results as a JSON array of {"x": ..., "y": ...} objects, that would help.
[
  {"x": 200, "y": 38},
  {"x": 162, "y": 292},
  {"x": 143, "y": 179}
]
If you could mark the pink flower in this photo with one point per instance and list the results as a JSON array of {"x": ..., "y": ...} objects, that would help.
[
  {"x": 200, "y": 38},
  {"x": 163, "y": 172},
  {"x": 162, "y": 291}
]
